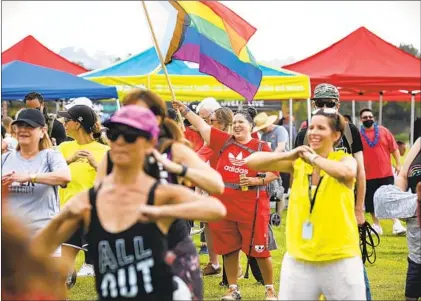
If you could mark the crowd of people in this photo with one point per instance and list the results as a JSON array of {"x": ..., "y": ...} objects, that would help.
[{"x": 128, "y": 192}]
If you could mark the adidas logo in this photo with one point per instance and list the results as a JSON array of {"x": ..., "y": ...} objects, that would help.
[{"x": 236, "y": 160}]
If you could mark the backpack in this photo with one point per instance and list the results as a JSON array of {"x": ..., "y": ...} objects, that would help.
[{"x": 347, "y": 135}]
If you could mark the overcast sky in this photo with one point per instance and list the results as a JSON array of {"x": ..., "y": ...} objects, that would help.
[{"x": 285, "y": 29}]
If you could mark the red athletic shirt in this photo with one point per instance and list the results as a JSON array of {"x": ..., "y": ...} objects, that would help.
[
  {"x": 230, "y": 164},
  {"x": 377, "y": 159},
  {"x": 195, "y": 138},
  {"x": 207, "y": 154},
  {"x": 255, "y": 135}
]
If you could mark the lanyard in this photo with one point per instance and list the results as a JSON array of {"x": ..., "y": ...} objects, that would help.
[{"x": 313, "y": 199}]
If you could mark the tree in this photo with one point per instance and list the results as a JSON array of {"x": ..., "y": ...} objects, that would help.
[{"x": 409, "y": 48}]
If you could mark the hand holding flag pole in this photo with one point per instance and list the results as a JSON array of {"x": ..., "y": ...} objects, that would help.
[{"x": 161, "y": 59}]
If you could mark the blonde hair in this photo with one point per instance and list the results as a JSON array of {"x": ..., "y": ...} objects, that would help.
[{"x": 225, "y": 117}]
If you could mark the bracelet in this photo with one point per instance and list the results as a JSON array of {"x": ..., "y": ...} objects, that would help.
[
  {"x": 183, "y": 171},
  {"x": 186, "y": 111}
]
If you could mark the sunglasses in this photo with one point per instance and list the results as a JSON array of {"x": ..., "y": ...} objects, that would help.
[
  {"x": 321, "y": 103},
  {"x": 129, "y": 136}
]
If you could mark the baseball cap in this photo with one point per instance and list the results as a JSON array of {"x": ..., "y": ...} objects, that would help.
[
  {"x": 326, "y": 91},
  {"x": 136, "y": 117},
  {"x": 79, "y": 101},
  {"x": 82, "y": 114},
  {"x": 31, "y": 117}
]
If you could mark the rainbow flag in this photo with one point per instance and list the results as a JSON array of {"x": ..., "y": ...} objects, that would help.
[{"x": 213, "y": 36}]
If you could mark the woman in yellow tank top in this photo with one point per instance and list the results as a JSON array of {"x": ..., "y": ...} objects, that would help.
[{"x": 323, "y": 255}]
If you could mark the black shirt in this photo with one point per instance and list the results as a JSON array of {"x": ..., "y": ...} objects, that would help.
[
  {"x": 129, "y": 264},
  {"x": 357, "y": 145},
  {"x": 179, "y": 229},
  {"x": 58, "y": 132},
  {"x": 414, "y": 173}
]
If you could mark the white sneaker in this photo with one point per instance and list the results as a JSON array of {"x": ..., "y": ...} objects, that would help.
[
  {"x": 378, "y": 229},
  {"x": 398, "y": 229},
  {"x": 87, "y": 270}
]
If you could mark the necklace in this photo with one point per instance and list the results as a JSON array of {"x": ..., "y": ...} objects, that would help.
[{"x": 376, "y": 136}]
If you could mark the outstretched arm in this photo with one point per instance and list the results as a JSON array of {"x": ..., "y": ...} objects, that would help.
[
  {"x": 178, "y": 202},
  {"x": 202, "y": 127},
  {"x": 198, "y": 172},
  {"x": 282, "y": 162}
]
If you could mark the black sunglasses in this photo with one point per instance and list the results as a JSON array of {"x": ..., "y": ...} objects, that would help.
[
  {"x": 129, "y": 136},
  {"x": 321, "y": 103}
]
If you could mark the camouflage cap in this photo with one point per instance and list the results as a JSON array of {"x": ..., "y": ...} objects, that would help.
[{"x": 326, "y": 91}]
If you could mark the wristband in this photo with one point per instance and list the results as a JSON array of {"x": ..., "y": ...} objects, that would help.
[
  {"x": 183, "y": 171},
  {"x": 186, "y": 111}
]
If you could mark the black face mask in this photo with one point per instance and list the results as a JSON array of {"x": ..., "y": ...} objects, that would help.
[{"x": 368, "y": 123}]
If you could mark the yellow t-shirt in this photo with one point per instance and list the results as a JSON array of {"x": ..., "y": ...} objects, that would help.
[
  {"x": 335, "y": 230},
  {"x": 82, "y": 173}
]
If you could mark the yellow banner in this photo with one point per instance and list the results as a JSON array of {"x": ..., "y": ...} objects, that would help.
[{"x": 191, "y": 88}]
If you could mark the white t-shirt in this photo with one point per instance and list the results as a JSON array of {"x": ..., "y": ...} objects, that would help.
[{"x": 36, "y": 204}]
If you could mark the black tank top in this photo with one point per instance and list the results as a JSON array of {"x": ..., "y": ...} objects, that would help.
[
  {"x": 414, "y": 173},
  {"x": 129, "y": 264},
  {"x": 179, "y": 230}
]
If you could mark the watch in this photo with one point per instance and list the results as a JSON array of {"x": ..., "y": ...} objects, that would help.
[{"x": 33, "y": 177}]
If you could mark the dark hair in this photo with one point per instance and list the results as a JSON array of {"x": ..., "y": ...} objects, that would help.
[
  {"x": 249, "y": 113},
  {"x": 400, "y": 143},
  {"x": 172, "y": 114},
  {"x": 365, "y": 110},
  {"x": 337, "y": 122},
  {"x": 3, "y": 132},
  {"x": 348, "y": 117},
  {"x": 32, "y": 96},
  {"x": 157, "y": 105}
]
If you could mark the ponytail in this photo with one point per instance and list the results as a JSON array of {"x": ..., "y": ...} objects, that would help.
[{"x": 97, "y": 133}]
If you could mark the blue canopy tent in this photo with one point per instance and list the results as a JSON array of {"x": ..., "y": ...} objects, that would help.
[{"x": 20, "y": 78}]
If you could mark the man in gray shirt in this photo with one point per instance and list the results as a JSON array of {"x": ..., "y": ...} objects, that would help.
[{"x": 276, "y": 136}]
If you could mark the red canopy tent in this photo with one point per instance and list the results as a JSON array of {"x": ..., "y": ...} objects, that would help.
[
  {"x": 31, "y": 51},
  {"x": 365, "y": 67},
  {"x": 364, "y": 63}
]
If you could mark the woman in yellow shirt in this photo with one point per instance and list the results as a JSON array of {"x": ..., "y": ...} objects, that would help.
[
  {"x": 323, "y": 255},
  {"x": 83, "y": 155}
]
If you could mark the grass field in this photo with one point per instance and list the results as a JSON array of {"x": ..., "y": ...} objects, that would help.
[{"x": 387, "y": 275}]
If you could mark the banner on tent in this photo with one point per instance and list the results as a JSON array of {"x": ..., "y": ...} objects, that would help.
[
  {"x": 191, "y": 88},
  {"x": 259, "y": 105}
]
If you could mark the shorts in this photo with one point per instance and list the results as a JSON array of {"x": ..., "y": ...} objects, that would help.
[
  {"x": 413, "y": 280},
  {"x": 371, "y": 187},
  {"x": 341, "y": 279},
  {"x": 77, "y": 241},
  {"x": 185, "y": 264},
  {"x": 229, "y": 236}
]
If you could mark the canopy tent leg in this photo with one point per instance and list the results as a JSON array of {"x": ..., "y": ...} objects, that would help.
[
  {"x": 4, "y": 108},
  {"x": 411, "y": 134},
  {"x": 308, "y": 111},
  {"x": 381, "y": 108},
  {"x": 291, "y": 143},
  {"x": 370, "y": 104},
  {"x": 353, "y": 111}
]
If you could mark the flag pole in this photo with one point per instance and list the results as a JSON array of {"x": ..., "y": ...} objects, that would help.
[{"x": 161, "y": 59}]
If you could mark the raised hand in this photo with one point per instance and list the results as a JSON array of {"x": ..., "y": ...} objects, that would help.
[{"x": 168, "y": 165}]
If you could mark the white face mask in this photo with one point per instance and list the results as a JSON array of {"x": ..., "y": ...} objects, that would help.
[{"x": 326, "y": 110}]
